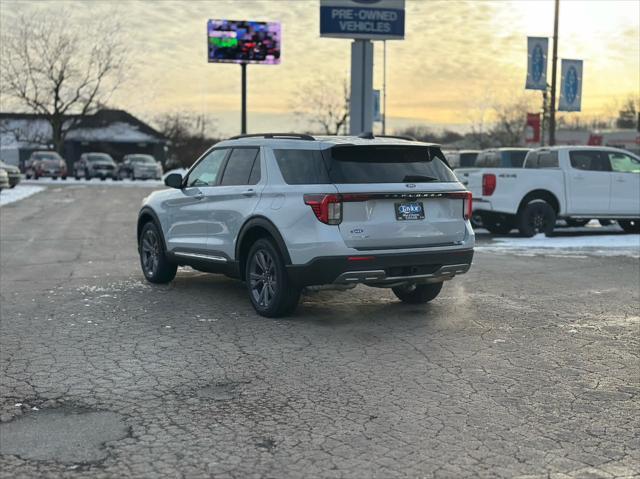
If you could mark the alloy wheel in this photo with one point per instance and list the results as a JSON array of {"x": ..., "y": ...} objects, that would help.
[
  {"x": 262, "y": 278},
  {"x": 150, "y": 252}
]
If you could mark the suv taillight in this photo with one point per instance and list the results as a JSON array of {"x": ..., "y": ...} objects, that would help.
[
  {"x": 326, "y": 207},
  {"x": 488, "y": 184},
  {"x": 467, "y": 206}
]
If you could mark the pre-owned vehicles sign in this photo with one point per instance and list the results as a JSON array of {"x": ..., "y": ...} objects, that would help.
[{"x": 365, "y": 19}]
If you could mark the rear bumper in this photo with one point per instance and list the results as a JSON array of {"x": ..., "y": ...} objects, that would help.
[{"x": 382, "y": 270}]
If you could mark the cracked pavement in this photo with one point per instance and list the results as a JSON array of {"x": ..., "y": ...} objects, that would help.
[{"x": 525, "y": 367}]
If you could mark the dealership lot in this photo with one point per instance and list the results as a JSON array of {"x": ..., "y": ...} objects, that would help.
[{"x": 526, "y": 366}]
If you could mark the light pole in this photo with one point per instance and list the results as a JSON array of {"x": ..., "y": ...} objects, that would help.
[{"x": 554, "y": 67}]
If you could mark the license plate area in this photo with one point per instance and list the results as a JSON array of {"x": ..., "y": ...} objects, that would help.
[{"x": 407, "y": 211}]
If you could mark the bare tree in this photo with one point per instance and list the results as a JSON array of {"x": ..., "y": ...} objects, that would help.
[
  {"x": 324, "y": 103},
  {"x": 189, "y": 136},
  {"x": 60, "y": 73},
  {"x": 510, "y": 121}
]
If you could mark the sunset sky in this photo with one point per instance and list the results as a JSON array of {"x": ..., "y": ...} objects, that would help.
[{"x": 457, "y": 57}]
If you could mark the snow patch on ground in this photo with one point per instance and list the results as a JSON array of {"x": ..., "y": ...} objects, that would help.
[
  {"x": 95, "y": 182},
  {"x": 600, "y": 245},
  {"x": 19, "y": 192}
]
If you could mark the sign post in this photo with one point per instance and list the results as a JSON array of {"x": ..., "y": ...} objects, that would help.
[
  {"x": 243, "y": 42},
  {"x": 363, "y": 21}
]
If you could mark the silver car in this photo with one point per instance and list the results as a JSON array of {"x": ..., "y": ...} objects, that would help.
[{"x": 285, "y": 211}]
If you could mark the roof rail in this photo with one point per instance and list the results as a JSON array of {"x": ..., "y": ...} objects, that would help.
[{"x": 291, "y": 136}]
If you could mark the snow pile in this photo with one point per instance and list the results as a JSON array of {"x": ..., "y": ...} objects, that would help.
[
  {"x": 71, "y": 181},
  {"x": 20, "y": 192},
  {"x": 594, "y": 245}
]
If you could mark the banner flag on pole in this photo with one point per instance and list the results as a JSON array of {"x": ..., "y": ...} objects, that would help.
[
  {"x": 376, "y": 106},
  {"x": 571, "y": 85},
  {"x": 537, "y": 48}
]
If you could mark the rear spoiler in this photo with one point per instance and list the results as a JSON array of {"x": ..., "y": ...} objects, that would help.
[{"x": 381, "y": 153}]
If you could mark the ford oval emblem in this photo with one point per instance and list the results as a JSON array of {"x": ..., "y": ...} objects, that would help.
[{"x": 410, "y": 185}]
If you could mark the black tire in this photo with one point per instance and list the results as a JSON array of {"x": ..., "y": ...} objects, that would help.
[
  {"x": 103, "y": 178},
  {"x": 417, "y": 293},
  {"x": 536, "y": 217},
  {"x": 498, "y": 227},
  {"x": 155, "y": 265},
  {"x": 270, "y": 290},
  {"x": 630, "y": 226},
  {"x": 576, "y": 223},
  {"x": 28, "y": 177},
  {"x": 87, "y": 176}
]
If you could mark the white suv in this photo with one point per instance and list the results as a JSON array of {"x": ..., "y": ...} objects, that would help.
[{"x": 285, "y": 211}]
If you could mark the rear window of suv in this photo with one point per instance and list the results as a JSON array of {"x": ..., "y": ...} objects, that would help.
[{"x": 364, "y": 164}]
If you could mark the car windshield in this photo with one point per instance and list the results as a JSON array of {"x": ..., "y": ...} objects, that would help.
[
  {"x": 142, "y": 159},
  {"x": 51, "y": 162},
  {"x": 46, "y": 156},
  {"x": 94, "y": 158}
]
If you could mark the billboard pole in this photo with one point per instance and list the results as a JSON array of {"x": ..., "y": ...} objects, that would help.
[
  {"x": 243, "y": 121},
  {"x": 384, "y": 87},
  {"x": 554, "y": 61}
]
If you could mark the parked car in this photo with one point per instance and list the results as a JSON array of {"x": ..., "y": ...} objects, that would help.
[
  {"x": 139, "y": 167},
  {"x": 46, "y": 163},
  {"x": 462, "y": 158},
  {"x": 4, "y": 180},
  {"x": 570, "y": 182},
  {"x": 94, "y": 165},
  {"x": 13, "y": 173},
  {"x": 283, "y": 212}
]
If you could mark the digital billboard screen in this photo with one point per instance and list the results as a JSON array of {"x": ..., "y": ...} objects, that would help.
[{"x": 239, "y": 41}]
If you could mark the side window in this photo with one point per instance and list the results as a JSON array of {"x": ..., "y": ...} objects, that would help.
[
  {"x": 302, "y": 167},
  {"x": 206, "y": 172},
  {"x": 254, "y": 177},
  {"x": 589, "y": 160},
  {"x": 516, "y": 158},
  {"x": 548, "y": 159},
  {"x": 239, "y": 166},
  {"x": 622, "y": 163}
]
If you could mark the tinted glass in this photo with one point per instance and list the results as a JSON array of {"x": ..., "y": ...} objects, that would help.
[
  {"x": 254, "y": 177},
  {"x": 142, "y": 159},
  {"x": 515, "y": 158},
  {"x": 302, "y": 167},
  {"x": 488, "y": 160},
  {"x": 239, "y": 166},
  {"x": 624, "y": 163},
  {"x": 99, "y": 158},
  {"x": 589, "y": 160},
  {"x": 541, "y": 159},
  {"x": 386, "y": 164},
  {"x": 205, "y": 173},
  {"x": 468, "y": 159}
]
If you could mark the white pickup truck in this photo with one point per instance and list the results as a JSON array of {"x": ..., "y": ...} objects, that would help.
[{"x": 576, "y": 183}]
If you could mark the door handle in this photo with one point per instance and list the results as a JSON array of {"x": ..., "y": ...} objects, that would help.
[
  {"x": 578, "y": 177},
  {"x": 249, "y": 192},
  {"x": 199, "y": 196},
  {"x": 620, "y": 180}
]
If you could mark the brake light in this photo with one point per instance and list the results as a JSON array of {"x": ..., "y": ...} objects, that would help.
[
  {"x": 488, "y": 184},
  {"x": 467, "y": 205},
  {"x": 326, "y": 207}
]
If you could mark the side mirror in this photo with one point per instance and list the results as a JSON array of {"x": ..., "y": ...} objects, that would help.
[{"x": 174, "y": 180}]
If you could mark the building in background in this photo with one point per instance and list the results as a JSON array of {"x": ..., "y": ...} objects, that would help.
[{"x": 115, "y": 132}]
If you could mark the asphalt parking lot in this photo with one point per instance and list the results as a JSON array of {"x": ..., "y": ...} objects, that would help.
[{"x": 527, "y": 366}]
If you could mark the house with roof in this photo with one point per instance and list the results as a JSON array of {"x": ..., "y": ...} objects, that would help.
[{"x": 115, "y": 132}]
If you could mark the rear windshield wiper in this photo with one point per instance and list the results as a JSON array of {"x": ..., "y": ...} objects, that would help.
[{"x": 420, "y": 178}]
